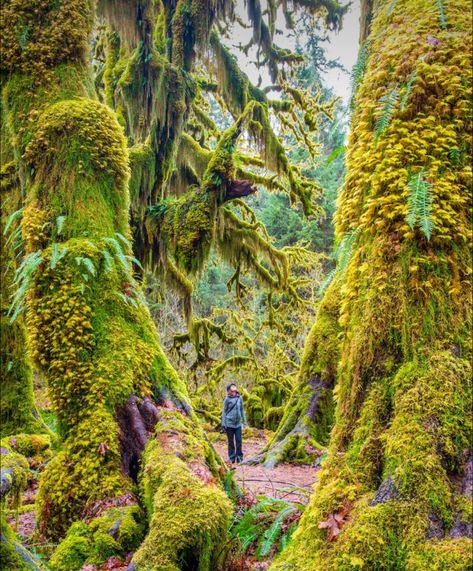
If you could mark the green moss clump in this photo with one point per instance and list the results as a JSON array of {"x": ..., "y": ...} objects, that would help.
[
  {"x": 30, "y": 445},
  {"x": 114, "y": 534},
  {"x": 41, "y": 36},
  {"x": 442, "y": 555}
]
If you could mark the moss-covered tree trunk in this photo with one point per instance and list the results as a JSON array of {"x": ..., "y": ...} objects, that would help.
[
  {"x": 305, "y": 427},
  {"x": 395, "y": 491},
  {"x": 89, "y": 330}
]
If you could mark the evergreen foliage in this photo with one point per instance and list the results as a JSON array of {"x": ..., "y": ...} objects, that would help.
[{"x": 419, "y": 203}]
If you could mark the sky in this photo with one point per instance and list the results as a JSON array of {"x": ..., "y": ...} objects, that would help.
[{"x": 342, "y": 45}]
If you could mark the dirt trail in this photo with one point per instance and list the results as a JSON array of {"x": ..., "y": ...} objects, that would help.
[{"x": 286, "y": 481}]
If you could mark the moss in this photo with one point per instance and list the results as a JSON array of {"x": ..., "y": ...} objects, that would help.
[
  {"x": 443, "y": 555},
  {"x": 175, "y": 484},
  {"x": 38, "y": 445},
  {"x": 114, "y": 534},
  {"x": 73, "y": 550},
  {"x": 17, "y": 471},
  {"x": 10, "y": 558},
  {"x": 34, "y": 48}
]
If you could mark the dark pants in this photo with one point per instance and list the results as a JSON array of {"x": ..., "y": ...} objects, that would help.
[{"x": 235, "y": 453}]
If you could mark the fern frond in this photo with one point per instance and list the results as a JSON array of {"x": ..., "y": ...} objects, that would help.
[
  {"x": 287, "y": 536},
  {"x": 407, "y": 92},
  {"x": 442, "y": 16},
  {"x": 419, "y": 204},
  {"x": 11, "y": 219},
  {"x": 135, "y": 261},
  {"x": 124, "y": 240},
  {"x": 57, "y": 253},
  {"x": 344, "y": 250},
  {"x": 389, "y": 106},
  {"x": 15, "y": 239},
  {"x": 60, "y": 224},
  {"x": 108, "y": 262},
  {"x": 454, "y": 155},
  {"x": 326, "y": 282},
  {"x": 271, "y": 535},
  {"x": 358, "y": 71},
  {"x": 23, "y": 277},
  {"x": 118, "y": 253}
]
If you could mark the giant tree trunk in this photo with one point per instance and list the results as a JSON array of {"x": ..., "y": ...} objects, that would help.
[
  {"x": 395, "y": 491},
  {"x": 305, "y": 427},
  {"x": 89, "y": 330}
]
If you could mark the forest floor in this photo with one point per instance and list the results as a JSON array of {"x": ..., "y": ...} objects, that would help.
[{"x": 291, "y": 482}]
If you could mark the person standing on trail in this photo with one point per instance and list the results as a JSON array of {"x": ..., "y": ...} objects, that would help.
[{"x": 233, "y": 420}]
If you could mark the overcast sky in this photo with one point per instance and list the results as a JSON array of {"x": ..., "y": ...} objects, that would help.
[{"x": 343, "y": 45}]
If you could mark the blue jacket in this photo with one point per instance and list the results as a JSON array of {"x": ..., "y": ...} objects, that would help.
[{"x": 233, "y": 413}]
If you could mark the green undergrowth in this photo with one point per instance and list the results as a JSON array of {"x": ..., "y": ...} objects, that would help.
[{"x": 266, "y": 527}]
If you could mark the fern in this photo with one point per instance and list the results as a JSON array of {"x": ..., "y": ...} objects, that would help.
[
  {"x": 57, "y": 253},
  {"x": 419, "y": 204},
  {"x": 157, "y": 211},
  {"x": 108, "y": 261},
  {"x": 135, "y": 261},
  {"x": 407, "y": 92},
  {"x": 271, "y": 535},
  {"x": 60, "y": 224},
  {"x": 11, "y": 219},
  {"x": 124, "y": 240},
  {"x": 263, "y": 523},
  {"x": 15, "y": 239},
  {"x": 22, "y": 280},
  {"x": 88, "y": 265},
  {"x": 326, "y": 282},
  {"x": 344, "y": 250},
  {"x": 119, "y": 254},
  {"x": 389, "y": 106},
  {"x": 454, "y": 155},
  {"x": 343, "y": 254},
  {"x": 442, "y": 16},
  {"x": 287, "y": 536},
  {"x": 335, "y": 154},
  {"x": 358, "y": 71}
]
